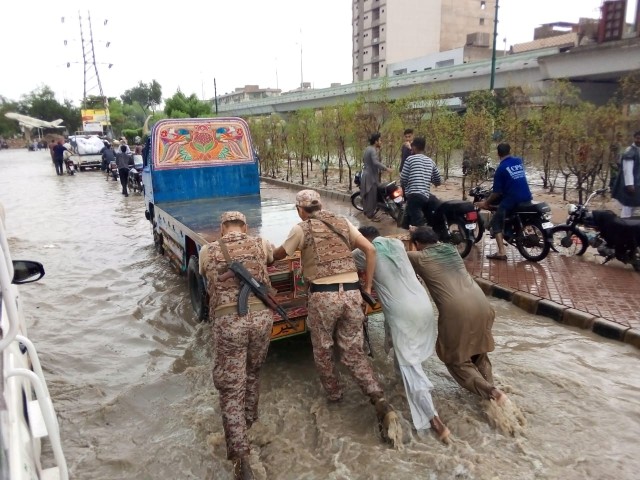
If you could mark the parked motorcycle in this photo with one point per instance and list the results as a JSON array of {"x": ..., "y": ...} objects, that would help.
[
  {"x": 483, "y": 169},
  {"x": 569, "y": 238},
  {"x": 134, "y": 180},
  {"x": 528, "y": 228},
  {"x": 390, "y": 200},
  {"x": 71, "y": 167},
  {"x": 617, "y": 237},
  {"x": 454, "y": 221}
]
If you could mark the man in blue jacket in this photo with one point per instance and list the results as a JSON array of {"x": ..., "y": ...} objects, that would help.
[{"x": 510, "y": 187}]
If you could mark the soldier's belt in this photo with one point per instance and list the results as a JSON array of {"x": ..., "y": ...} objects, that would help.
[
  {"x": 333, "y": 287},
  {"x": 233, "y": 309}
]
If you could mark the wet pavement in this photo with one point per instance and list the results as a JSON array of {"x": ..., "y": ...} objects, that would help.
[{"x": 608, "y": 292}]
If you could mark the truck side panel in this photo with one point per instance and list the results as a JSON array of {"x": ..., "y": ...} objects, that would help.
[{"x": 192, "y": 183}]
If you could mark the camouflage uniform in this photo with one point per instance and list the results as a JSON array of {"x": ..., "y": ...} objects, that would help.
[
  {"x": 333, "y": 314},
  {"x": 240, "y": 342}
]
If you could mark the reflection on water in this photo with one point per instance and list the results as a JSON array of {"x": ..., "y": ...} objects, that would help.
[{"x": 130, "y": 369}]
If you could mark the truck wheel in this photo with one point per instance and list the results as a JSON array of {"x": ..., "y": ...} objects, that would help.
[{"x": 197, "y": 290}]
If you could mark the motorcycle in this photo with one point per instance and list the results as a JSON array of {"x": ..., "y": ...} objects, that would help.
[
  {"x": 617, "y": 237},
  {"x": 528, "y": 227},
  {"x": 454, "y": 221},
  {"x": 112, "y": 171},
  {"x": 134, "y": 180},
  {"x": 71, "y": 167},
  {"x": 483, "y": 169},
  {"x": 390, "y": 200},
  {"x": 569, "y": 239},
  {"x": 479, "y": 193}
]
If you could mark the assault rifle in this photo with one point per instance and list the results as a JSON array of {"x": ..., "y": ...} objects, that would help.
[
  {"x": 249, "y": 284},
  {"x": 365, "y": 325}
]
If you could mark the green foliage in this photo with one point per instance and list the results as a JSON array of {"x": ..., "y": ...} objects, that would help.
[
  {"x": 145, "y": 96},
  {"x": 181, "y": 106},
  {"x": 8, "y": 127}
]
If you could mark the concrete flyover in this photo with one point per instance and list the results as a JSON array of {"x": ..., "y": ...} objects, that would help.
[{"x": 595, "y": 69}]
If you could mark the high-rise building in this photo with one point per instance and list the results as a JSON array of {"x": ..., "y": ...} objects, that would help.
[{"x": 391, "y": 31}]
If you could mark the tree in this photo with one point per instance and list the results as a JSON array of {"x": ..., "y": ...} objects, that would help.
[
  {"x": 146, "y": 96},
  {"x": 41, "y": 103},
  {"x": 181, "y": 106},
  {"x": 8, "y": 127}
]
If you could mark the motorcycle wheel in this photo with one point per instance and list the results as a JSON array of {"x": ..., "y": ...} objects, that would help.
[
  {"x": 532, "y": 242},
  {"x": 459, "y": 238},
  {"x": 568, "y": 240},
  {"x": 197, "y": 291},
  {"x": 478, "y": 233},
  {"x": 394, "y": 211},
  {"x": 356, "y": 201},
  {"x": 635, "y": 262}
]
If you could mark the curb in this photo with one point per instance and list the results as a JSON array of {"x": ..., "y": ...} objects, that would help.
[
  {"x": 609, "y": 329},
  {"x": 561, "y": 313},
  {"x": 632, "y": 337}
]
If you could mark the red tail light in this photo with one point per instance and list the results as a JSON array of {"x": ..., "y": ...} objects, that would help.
[
  {"x": 471, "y": 216},
  {"x": 396, "y": 193}
]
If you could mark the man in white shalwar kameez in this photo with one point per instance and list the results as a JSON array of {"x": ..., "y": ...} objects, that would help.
[{"x": 408, "y": 312}]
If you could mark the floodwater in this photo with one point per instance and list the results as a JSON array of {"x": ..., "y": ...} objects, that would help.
[{"x": 129, "y": 368}]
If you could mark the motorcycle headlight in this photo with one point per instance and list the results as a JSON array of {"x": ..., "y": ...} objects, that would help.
[{"x": 571, "y": 208}]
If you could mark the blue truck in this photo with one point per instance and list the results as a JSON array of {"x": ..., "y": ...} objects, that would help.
[{"x": 196, "y": 169}]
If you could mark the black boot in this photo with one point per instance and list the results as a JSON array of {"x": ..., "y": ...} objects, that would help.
[{"x": 242, "y": 469}]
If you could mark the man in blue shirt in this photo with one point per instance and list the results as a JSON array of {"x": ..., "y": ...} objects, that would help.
[{"x": 510, "y": 187}]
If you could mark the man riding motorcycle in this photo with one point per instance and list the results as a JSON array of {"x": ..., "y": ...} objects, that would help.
[{"x": 510, "y": 187}]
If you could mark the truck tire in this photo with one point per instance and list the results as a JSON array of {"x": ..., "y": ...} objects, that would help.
[{"x": 197, "y": 291}]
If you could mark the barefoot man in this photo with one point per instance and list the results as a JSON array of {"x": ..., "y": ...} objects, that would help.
[{"x": 465, "y": 315}]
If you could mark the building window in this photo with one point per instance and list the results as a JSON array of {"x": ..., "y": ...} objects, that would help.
[
  {"x": 482, "y": 21},
  {"x": 445, "y": 63},
  {"x": 483, "y": 5}
]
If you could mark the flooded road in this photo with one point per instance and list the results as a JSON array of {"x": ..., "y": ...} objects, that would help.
[{"x": 129, "y": 368}]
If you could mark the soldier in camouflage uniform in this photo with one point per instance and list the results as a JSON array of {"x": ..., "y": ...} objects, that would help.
[
  {"x": 240, "y": 342},
  {"x": 335, "y": 302}
]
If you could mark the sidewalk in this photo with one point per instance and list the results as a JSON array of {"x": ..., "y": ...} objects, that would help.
[{"x": 571, "y": 290}]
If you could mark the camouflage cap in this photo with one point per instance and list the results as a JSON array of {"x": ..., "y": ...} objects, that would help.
[
  {"x": 307, "y": 198},
  {"x": 231, "y": 216}
]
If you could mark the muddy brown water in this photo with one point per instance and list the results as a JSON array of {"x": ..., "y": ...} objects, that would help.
[{"x": 129, "y": 368}]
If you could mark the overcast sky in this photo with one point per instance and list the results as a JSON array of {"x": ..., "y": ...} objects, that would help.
[{"x": 187, "y": 44}]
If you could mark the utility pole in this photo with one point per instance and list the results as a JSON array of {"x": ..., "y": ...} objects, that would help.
[
  {"x": 215, "y": 95},
  {"x": 493, "y": 52}
]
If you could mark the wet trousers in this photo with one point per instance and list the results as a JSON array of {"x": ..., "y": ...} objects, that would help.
[
  {"x": 475, "y": 375},
  {"x": 58, "y": 165},
  {"x": 418, "y": 389},
  {"x": 240, "y": 348},
  {"x": 340, "y": 314},
  {"x": 124, "y": 178},
  {"x": 370, "y": 201}
]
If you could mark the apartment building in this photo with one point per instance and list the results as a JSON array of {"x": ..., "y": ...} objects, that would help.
[{"x": 393, "y": 31}]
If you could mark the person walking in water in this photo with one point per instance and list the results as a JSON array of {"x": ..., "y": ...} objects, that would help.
[
  {"x": 371, "y": 168},
  {"x": 408, "y": 312},
  {"x": 465, "y": 315},
  {"x": 123, "y": 162},
  {"x": 241, "y": 342},
  {"x": 58, "y": 156},
  {"x": 325, "y": 241}
]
